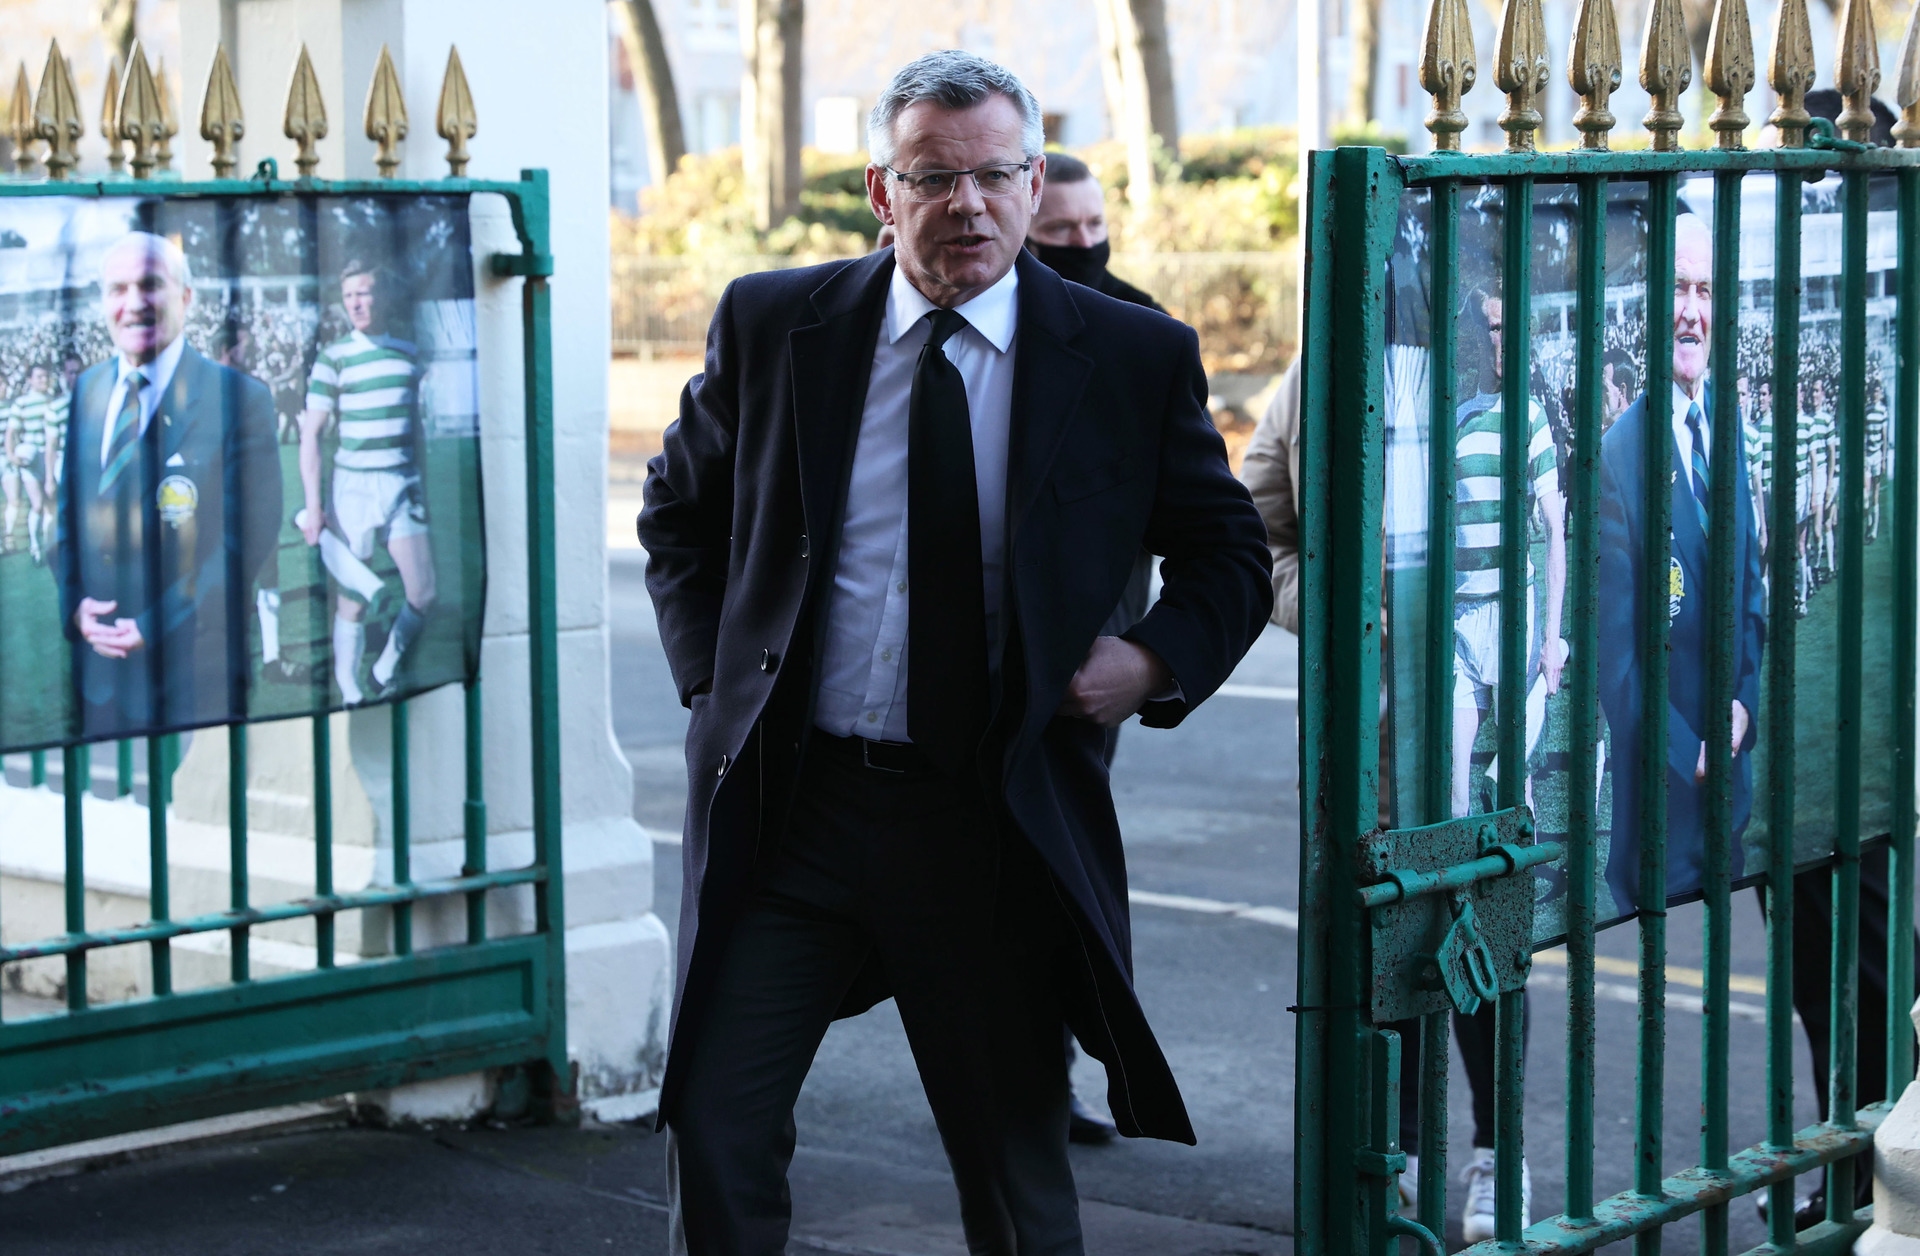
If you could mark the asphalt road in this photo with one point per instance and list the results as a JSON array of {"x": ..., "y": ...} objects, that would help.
[{"x": 1209, "y": 813}]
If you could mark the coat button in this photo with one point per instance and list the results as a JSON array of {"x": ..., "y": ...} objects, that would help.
[
  {"x": 724, "y": 761},
  {"x": 803, "y": 545},
  {"x": 768, "y": 660}
]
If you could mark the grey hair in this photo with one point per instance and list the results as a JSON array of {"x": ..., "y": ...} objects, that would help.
[
  {"x": 953, "y": 80},
  {"x": 150, "y": 245}
]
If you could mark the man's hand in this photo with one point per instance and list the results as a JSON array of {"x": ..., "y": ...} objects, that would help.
[
  {"x": 114, "y": 640},
  {"x": 1741, "y": 720},
  {"x": 1114, "y": 682},
  {"x": 311, "y": 522},
  {"x": 1553, "y": 659}
]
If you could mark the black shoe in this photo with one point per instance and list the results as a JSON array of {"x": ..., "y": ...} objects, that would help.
[
  {"x": 287, "y": 672},
  {"x": 1084, "y": 1125},
  {"x": 1811, "y": 1210}
]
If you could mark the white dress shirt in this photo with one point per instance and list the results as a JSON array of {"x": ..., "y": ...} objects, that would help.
[
  {"x": 1682, "y": 438},
  {"x": 158, "y": 374},
  {"x": 863, "y": 674}
]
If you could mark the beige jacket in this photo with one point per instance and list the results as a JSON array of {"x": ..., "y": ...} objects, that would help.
[{"x": 1271, "y": 471}]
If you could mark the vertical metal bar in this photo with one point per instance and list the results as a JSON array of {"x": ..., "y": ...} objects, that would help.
[
  {"x": 37, "y": 768},
  {"x": 1782, "y": 627},
  {"x": 1725, "y": 490},
  {"x": 323, "y": 932},
  {"x": 476, "y": 815},
  {"x": 1906, "y": 607},
  {"x": 1657, "y": 551},
  {"x": 123, "y": 775},
  {"x": 1437, "y": 803},
  {"x": 1510, "y": 706},
  {"x": 73, "y": 761},
  {"x": 543, "y": 671},
  {"x": 1846, "y": 776},
  {"x": 240, "y": 967},
  {"x": 159, "y": 892},
  {"x": 402, "y": 829},
  {"x": 1311, "y": 1117},
  {"x": 1583, "y": 716}
]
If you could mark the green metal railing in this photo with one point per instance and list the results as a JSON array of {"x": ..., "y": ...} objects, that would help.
[
  {"x": 1353, "y": 857},
  {"x": 411, "y": 1015}
]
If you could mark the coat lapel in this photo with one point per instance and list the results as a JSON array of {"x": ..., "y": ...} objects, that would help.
[
  {"x": 832, "y": 362},
  {"x": 177, "y": 408},
  {"x": 1049, "y": 377}
]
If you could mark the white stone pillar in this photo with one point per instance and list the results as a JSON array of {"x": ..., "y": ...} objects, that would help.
[{"x": 1896, "y": 1178}]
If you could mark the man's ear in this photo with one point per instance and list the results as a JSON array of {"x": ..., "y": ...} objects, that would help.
[{"x": 877, "y": 195}]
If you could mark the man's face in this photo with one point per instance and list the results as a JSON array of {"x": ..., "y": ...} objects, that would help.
[
  {"x": 145, "y": 306},
  {"x": 1073, "y": 214},
  {"x": 1766, "y": 398},
  {"x": 356, "y": 293},
  {"x": 954, "y": 249},
  {"x": 1746, "y": 394},
  {"x": 1692, "y": 307},
  {"x": 1491, "y": 308},
  {"x": 37, "y": 380}
]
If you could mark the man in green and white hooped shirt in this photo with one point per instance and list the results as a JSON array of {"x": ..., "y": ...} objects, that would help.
[
  {"x": 26, "y": 434},
  {"x": 367, "y": 384}
]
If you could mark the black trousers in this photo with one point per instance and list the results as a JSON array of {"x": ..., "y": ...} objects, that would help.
[
  {"x": 905, "y": 869},
  {"x": 1476, "y": 1037}
]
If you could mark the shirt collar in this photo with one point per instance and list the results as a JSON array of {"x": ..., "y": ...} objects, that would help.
[
  {"x": 1682, "y": 403},
  {"x": 992, "y": 313},
  {"x": 159, "y": 372}
]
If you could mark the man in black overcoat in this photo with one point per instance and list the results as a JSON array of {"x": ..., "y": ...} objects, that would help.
[
  {"x": 883, "y": 537},
  {"x": 169, "y": 503},
  {"x": 1688, "y": 438}
]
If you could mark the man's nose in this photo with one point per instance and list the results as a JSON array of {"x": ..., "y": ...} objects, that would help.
[{"x": 965, "y": 199}]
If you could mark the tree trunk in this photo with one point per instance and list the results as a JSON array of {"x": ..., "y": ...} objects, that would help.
[
  {"x": 770, "y": 47},
  {"x": 653, "y": 80},
  {"x": 116, "y": 26},
  {"x": 1112, "y": 79},
  {"x": 1361, "y": 86},
  {"x": 1146, "y": 78}
]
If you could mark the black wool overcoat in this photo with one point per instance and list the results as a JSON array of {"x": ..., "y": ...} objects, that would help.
[{"x": 1111, "y": 452}]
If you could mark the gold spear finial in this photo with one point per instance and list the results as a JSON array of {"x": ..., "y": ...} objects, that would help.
[
  {"x": 169, "y": 121},
  {"x": 456, "y": 123},
  {"x": 1856, "y": 72},
  {"x": 1520, "y": 70},
  {"x": 1666, "y": 70},
  {"x": 110, "y": 118},
  {"x": 21, "y": 127},
  {"x": 1730, "y": 72},
  {"x": 306, "y": 121},
  {"x": 1790, "y": 71},
  {"x": 1906, "y": 85},
  {"x": 1447, "y": 69},
  {"x": 56, "y": 114},
  {"x": 220, "y": 122},
  {"x": 1593, "y": 70},
  {"x": 386, "y": 115},
  {"x": 142, "y": 123}
]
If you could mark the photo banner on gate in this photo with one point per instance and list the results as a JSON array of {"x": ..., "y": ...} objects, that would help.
[
  {"x": 241, "y": 459},
  {"x": 1818, "y": 487}
]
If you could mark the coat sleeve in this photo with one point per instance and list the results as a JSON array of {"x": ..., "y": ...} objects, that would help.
[
  {"x": 1217, "y": 588},
  {"x": 1617, "y": 636},
  {"x": 687, "y": 513},
  {"x": 1271, "y": 471},
  {"x": 1750, "y": 625}
]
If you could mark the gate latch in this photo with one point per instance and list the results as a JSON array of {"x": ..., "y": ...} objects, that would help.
[{"x": 1450, "y": 912}]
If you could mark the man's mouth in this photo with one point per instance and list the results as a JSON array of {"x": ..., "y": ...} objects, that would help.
[{"x": 969, "y": 241}]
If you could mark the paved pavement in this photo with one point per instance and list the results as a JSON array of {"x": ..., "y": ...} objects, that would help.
[{"x": 1208, "y": 813}]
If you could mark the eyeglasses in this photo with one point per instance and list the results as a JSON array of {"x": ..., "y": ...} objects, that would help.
[{"x": 932, "y": 186}]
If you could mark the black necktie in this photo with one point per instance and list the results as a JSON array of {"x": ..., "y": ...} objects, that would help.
[{"x": 946, "y": 601}]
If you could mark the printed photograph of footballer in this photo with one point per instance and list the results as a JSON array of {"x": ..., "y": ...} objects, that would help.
[
  {"x": 33, "y": 426},
  {"x": 363, "y": 391},
  {"x": 169, "y": 455}
]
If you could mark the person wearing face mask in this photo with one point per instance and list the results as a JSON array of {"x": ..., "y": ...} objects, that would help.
[{"x": 1069, "y": 231}]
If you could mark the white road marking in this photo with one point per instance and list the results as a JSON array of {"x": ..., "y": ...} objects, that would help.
[
  {"x": 1279, "y": 916},
  {"x": 1272, "y": 693}
]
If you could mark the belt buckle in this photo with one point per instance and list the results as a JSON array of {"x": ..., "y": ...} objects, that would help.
[{"x": 866, "y": 758}]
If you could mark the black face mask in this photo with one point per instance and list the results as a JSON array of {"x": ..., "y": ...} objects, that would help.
[{"x": 1080, "y": 265}]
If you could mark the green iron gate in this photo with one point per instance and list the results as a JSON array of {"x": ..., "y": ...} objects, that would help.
[
  {"x": 1378, "y": 942},
  {"x": 412, "y": 1014}
]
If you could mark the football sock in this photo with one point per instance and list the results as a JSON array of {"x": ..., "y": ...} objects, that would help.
[
  {"x": 268, "y": 603},
  {"x": 349, "y": 644},
  {"x": 406, "y": 627}
]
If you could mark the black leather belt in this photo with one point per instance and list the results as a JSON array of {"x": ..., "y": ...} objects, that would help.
[{"x": 898, "y": 757}]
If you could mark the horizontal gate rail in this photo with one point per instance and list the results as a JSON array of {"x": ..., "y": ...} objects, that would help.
[
  {"x": 1386, "y": 271},
  {"x": 418, "y": 1012}
]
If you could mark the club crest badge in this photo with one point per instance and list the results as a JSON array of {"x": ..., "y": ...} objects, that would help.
[
  {"x": 1676, "y": 588},
  {"x": 178, "y": 499}
]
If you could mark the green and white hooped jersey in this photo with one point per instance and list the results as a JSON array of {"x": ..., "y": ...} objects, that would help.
[
  {"x": 28, "y": 419},
  {"x": 370, "y": 383},
  {"x": 1476, "y": 555}
]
